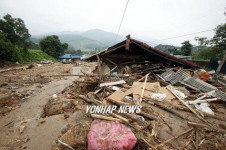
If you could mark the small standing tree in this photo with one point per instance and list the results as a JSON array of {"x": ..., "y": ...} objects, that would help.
[
  {"x": 52, "y": 46},
  {"x": 186, "y": 48}
]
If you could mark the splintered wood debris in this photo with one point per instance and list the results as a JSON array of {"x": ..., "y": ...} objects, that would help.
[{"x": 168, "y": 122}]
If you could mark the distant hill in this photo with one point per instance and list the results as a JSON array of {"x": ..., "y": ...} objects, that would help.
[
  {"x": 166, "y": 47},
  {"x": 87, "y": 40},
  {"x": 107, "y": 38}
]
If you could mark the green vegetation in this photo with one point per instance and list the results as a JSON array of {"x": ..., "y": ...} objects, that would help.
[
  {"x": 186, "y": 48},
  {"x": 52, "y": 46},
  {"x": 216, "y": 46},
  {"x": 36, "y": 55},
  {"x": 165, "y": 48},
  {"x": 14, "y": 39}
]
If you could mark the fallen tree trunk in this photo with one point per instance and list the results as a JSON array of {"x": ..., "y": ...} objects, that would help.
[{"x": 12, "y": 69}]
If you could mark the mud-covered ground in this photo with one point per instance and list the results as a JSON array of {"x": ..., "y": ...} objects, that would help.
[
  {"x": 31, "y": 118},
  {"x": 18, "y": 85},
  {"x": 23, "y": 95}
]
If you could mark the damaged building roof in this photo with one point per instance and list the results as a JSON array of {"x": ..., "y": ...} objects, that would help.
[{"x": 134, "y": 50}]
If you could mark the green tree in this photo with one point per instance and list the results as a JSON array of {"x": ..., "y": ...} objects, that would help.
[
  {"x": 14, "y": 39},
  {"x": 8, "y": 51},
  {"x": 78, "y": 52},
  {"x": 35, "y": 46},
  {"x": 219, "y": 40},
  {"x": 186, "y": 48},
  {"x": 71, "y": 51},
  {"x": 202, "y": 41},
  {"x": 15, "y": 31},
  {"x": 205, "y": 53},
  {"x": 52, "y": 46},
  {"x": 216, "y": 45},
  {"x": 174, "y": 51}
]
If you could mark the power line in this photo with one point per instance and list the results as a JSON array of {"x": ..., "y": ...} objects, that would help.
[
  {"x": 122, "y": 20},
  {"x": 181, "y": 36}
]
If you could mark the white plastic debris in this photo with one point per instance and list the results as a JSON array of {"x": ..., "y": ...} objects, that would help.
[
  {"x": 129, "y": 97},
  {"x": 204, "y": 107},
  {"x": 180, "y": 94},
  {"x": 158, "y": 96},
  {"x": 115, "y": 88},
  {"x": 54, "y": 96},
  {"x": 39, "y": 65},
  {"x": 112, "y": 83}
]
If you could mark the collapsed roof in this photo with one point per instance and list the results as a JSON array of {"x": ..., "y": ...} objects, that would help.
[{"x": 133, "y": 51}]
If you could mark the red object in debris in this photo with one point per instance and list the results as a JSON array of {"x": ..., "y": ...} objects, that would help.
[
  {"x": 205, "y": 76},
  {"x": 110, "y": 135}
]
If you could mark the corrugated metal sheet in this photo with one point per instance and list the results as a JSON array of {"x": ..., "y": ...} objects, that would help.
[{"x": 174, "y": 77}]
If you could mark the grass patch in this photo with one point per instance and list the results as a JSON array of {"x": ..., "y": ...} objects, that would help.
[{"x": 36, "y": 55}]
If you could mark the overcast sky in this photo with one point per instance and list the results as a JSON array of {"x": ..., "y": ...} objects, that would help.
[{"x": 148, "y": 20}]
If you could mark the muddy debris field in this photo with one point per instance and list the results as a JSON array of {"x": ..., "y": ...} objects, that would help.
[{"x": 92, "y": 105}]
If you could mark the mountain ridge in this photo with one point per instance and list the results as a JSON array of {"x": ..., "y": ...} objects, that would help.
[{"x": 87, "y": 40}]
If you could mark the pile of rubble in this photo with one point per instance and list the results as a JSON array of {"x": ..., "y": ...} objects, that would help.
[
  {"x": 171, "y": 109},
  {"x": 139, "y": 97}
]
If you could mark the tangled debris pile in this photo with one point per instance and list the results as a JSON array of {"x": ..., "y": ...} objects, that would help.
[
  {"x": 160, "y": 98},
  {"x": 170, "y": 116}
]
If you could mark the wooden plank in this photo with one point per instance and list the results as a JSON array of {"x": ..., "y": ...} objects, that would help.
[
  {"x": 142, "y": 93},
  {"x": 171, "y": 89}
]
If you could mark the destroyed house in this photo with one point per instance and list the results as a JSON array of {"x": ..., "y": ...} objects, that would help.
[{"x": 131, "y": 51}]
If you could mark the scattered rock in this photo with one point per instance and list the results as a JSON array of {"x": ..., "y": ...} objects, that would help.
[
  {"x": 91, "y": 95},
  {"x": 26, "y": 139},
  {"x": 11, "y": 131},
  {"x": 66, "y": 116},
  {"x": 65, "y": 128},
  {"x": 67, "y": 105},
  {"x": 79, "y": 116},
  {"x": 41, "y": 121},
  {"x": 75, "y": 136},
  {"x": 23, "y": 147},
  {"x": 53, "y": 108},
  {"x": 22, "y": 128},
  {"x": 30, "y": 66}
]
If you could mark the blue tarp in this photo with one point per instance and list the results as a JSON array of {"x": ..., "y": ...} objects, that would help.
[{"x": 69, "y": 56}]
